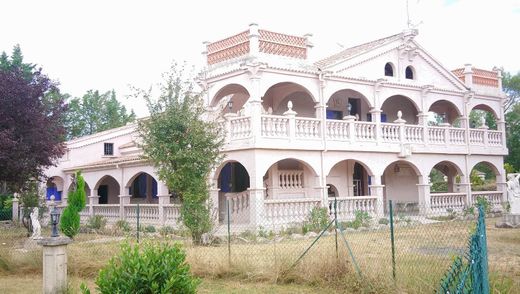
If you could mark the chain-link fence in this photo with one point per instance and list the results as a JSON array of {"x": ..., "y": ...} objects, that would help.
[{"x": 356, "y": 246}]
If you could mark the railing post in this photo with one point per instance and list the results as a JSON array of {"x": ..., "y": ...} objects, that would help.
[
  {"x": 376, "y": 117},
  {"x": 93, "y": 199},
  {"x": 350, "y": 119},
  {"x": 446, "y": 133},
  {"x": 401, "y": 123},
  {"x": 123, "y": 200},
  {"x": 424, "y": 198},
  {"x": 162, "y": 201},
  {"x": 16, "y": 208}
]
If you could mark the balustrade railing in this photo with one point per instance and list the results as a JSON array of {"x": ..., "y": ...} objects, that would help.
[
  {"x": 347, "y": 206},
  {"x": 494, "y": 198},
  {"x": 457, "y": 136},
  {"x": 108, "y": 211},
  {"x": 275, "y": 126},
  {"x": 437, "y": 135},
  {"x": 413, "y": 134},
  {"x": 239, "y": 208},
  {"x": 365, "y": 131},
  {"x": 443, "y": 202},
  {"x": 240, "y": 127},
  {"x": 338, "y": 130},
  {"x": 495, "y": 138},
  {"x": 291, "y": 179},
  {"x": 476, "y": 137},
  {"x": 308, "y": 128},
  {"x": 289, "y": 211},
  {"x": 390, "y": 132},
  {"x": 172, "y": 213},
  {"x": 148, "y": 213}
]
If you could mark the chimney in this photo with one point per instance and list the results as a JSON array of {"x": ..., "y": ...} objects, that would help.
[
  {"x": 254, "y": 42},
  {"x": 309, "y": 45},
  {"x": 468, "y": 75}
]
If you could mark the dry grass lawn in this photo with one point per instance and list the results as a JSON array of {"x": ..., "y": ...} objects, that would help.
[{"x": 423, "y": 253}]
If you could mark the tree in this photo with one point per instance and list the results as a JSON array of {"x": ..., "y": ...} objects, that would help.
[
  {"x": 182, "y": 146},
  {"x": 95, "y": 112},
  {"x": 513, "y": 136},
  {"x": 31, "y": 126},
  {"x": 511, "y": 86},
  {"x": 70, "y": 219}
]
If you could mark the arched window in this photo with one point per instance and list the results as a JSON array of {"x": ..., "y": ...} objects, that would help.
[
  {"x": 389, "y": 70},
  {"x": 409, "y": 73}
]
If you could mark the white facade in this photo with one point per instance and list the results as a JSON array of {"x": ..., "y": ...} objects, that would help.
[{"x": 300, "y": 134}]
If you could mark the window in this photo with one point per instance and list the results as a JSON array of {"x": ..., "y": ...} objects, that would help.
[
  {"x": 109, "y": 149},
  {"x": 389, "y": 70},
  {"x": 409, "y": 73}
]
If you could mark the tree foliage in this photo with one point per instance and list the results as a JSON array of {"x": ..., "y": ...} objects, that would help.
[
  {"x": 513, "y": 136},
  {"x": 182, "y": 145},
  {"x": 31, "y": 125},
  {"x": 70, "y": 219},
  {"x": 95, "y": 112},
  {"x": 511, "y": 86}
]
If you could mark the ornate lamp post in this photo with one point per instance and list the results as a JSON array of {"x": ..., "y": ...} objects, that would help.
[{"x": 55, "y": 218}]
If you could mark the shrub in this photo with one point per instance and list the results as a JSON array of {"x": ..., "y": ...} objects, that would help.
[
  {"x": 123, "y": 225},
  {"x": 383, "y": 221},
  {"x": 147, "y": 268},
  {"x": 149, "y": 229},
  {"x": 70, "y": 219},
  {"x": 166, "y": 230},
  {"x": 97, "y": 222},
  {"x": 484, "y": 202},
  {"x": 317, "y": 220}
]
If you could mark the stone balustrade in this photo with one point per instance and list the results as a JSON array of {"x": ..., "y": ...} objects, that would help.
[
  {"x": 348, "y": 206},
  {"x": 282, "y": 212},
  {"x": 239, "y": 209},
  {"x": 494, "y": 198},
  {"x": 443, "y": 202}
]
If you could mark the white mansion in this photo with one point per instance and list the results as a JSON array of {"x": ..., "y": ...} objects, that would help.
[{"x": 356, "y": 127}]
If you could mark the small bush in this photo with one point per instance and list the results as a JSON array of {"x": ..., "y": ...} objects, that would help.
[
  {"x": 317, "y": 220},
  {"x": 166, "y": 230},
  {"x": 70, "y": 219},
  {"x": 383, "y": 221},
  {"x": 147, "y": 268},
  {"x": 149, "y": 229},
  {"x": 484, "y": 202},
  {"x": 122, "y": 225},
  {"x": 97, "y": 222}
]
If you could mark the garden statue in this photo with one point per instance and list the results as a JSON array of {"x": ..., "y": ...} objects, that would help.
[
  {"x": 512, "y": 218},
  {"x": 36, "y": 227},
  {"x": 513, "y": 192}
]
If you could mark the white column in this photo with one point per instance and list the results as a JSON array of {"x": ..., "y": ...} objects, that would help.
[
  {"x": 123, "y": 200},
  {"x": 423, "y": 189},
  {"x": 93, "y": 199},
  {"x": 54, "y": 264},
  {"x": 468, "y": 75},
  {"x": 163, "y": 200},
  {"x": 256, "y": 206},
  {"x": 423, "y": 121},
  {"x": 375, "y": 113},
  {"x": 376, "y": 189},
  {"x": 16, "y": 208},
  {"x": 254, "y": 40}
]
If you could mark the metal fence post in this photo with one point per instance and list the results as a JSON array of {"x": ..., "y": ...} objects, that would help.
[
  {"x": 137, "y": 216},
  {"x": 483, "y": 251},
  {"x": 336, "y": 225},
  {"x": 392, "y": 236},
  {"x": 228, "y": 231}
]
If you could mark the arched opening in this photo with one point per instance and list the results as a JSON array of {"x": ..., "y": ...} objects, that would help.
[
  {"x": 444, "y": 112},
  {"x": 389, "y": 69},
  {"x": 87, "y": 189},
  {"x": 446, "y": 177},
  {"x": 396, "y": 103},
  {"x": 142, "y": 188},
  {"x": 54, "y": 186},
  {"x": 483, "y": 177},
  {"x": 233, "y": 182},
  {"x": 276, "y": 98},
  {"x": 351, "y": 177},
  {"x": 483, "y": 116},
  {"x": 230, "y": 99},
  {"x": 108, "y": 190},
  {"x": 409, "y": 73},
  {"x": 348, "y": 102},
  {"x": 291, "y": 179},
  {"x": 400, "y": 179},
  {"x": 332, "y": 191}
]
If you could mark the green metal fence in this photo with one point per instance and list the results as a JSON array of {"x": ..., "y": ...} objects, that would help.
[{"x": 469, "y": 272}]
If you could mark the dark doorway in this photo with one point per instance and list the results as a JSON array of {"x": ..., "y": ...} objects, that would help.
[{"x": 103, "y": 194}]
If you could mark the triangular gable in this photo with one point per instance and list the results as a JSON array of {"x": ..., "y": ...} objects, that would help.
[{"x": 368, "y": 60}]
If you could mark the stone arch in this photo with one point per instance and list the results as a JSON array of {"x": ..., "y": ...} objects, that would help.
[
  {"x": 290, "y": 178},
  {"x": 233, "y": 182},
  {"x": 143, "y": 188},
  {"x": 235, "y": 93},
  {"x": 351, "y": 177},
  {"x": 445, "y": 177},
  {"x": 400, "y": 179},
  {"x": 339, "y": 102},
  {"x": 108, "y": 189},
  {"x": 87, "y": 188},
  {"x": 446, "y": 110},
  {"x": 395, "y": 103},
  {"x": 277, "y": 96},
  {"x": 54, "y": 186},
  {"x": 484, "y": 109}
]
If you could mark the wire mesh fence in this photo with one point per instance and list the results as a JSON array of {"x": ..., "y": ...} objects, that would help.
[{"x": 393, "y": 248}]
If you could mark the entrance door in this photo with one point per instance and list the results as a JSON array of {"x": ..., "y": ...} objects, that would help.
[{"x": 103, "y": 194}]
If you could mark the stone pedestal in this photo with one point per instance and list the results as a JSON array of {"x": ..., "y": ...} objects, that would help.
[
  {"x": 54, "y": 264},
  {"x": 509, "y": 221}
]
